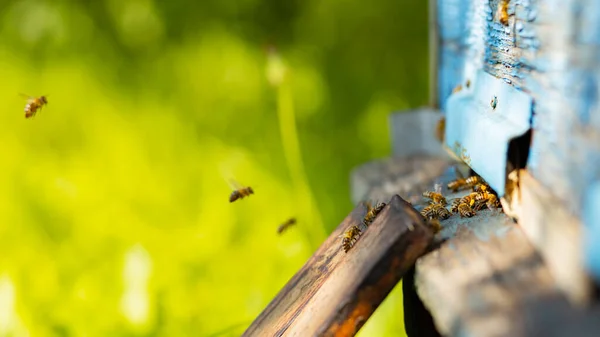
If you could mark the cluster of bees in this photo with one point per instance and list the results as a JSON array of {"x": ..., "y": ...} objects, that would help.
[
  {"x": 481, "y": 197},
  {"x": 351, "y": 235}
]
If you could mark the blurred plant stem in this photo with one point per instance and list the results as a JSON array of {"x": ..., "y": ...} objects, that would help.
[{"x": 279, "y": 78}]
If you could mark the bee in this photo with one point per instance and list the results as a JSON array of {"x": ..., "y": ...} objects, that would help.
[
  {"x": 473, "y": 180},
  {"x": 469, "y": 199},
  {"x": 34, "y": 104},
  {"x": 372, "y": 212},
  {"x": 239, "y": 191},
  {"x": 435, "y": 211},
  {"x": 502, "y": 12},
  {"x": 435, "y": 225},
  {"x": 494, "y": 102},
  {"x": 457, "y": 184},
  {"x": 457, "y": 88},
  {"x": 440, "y": 129},
  {"x": 489, "y": 199},
  {"x": 349, "y": 237},
  {"x": 454, "y": 206},
  {"x": 468, "y": 83},
  {"x": 436, "y": 197},
  {"x": 481, "y": 187},
  {"x": 286, "y": 225},
  {"x": 465, "y": 210}
]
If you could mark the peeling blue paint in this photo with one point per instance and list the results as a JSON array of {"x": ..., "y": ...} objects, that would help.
[{"x": 480, "y": 133}]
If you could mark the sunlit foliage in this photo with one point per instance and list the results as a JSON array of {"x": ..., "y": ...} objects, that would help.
[{"x": 114, "y": 213}]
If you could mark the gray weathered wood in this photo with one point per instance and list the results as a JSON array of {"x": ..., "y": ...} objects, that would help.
[{"x": 560, "y": 243}]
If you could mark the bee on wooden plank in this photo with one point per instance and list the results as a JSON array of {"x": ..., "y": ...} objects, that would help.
[
  {"x": 481, "y": 187},
  {"x": 474, "y": 180},
  {"x": 349, "y": 237},
  {"x": 436, "y": 197},
  {"x": 34, "y": 104},
  {"x": 435, "y": 225},
  {"x": 465, "y": 210},
  {"x": 440, "y": 129},
  {"x": 372, "y": 212},
  {"x": 457, "y": 184},
  {"x": 284, "y": 226},
  {"x": 435, "y": 211},
  {"x": 489, "y": 199},
  {"x": 239, "y": 192}
]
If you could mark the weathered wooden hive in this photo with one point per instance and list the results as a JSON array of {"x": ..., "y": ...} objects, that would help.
[{"x": 516, "y": 84}]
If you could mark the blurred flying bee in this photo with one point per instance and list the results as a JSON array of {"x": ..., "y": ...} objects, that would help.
[
  {"x": 239, "y": 192},
  {"x": 349, "y": 237},
  {"x": 436, "y": 197},
  {"x": 457, "y": 88},
  {"x": 435, "y": 211},
  {"x": 34, "y": 104},
  {"x": 286, "y": 225},
  {"x": 502, "y": 12},
  {"x": 468, "y": 84},
  {"x": 465, "y": 210},
  {"x": 372, "y": 212}
]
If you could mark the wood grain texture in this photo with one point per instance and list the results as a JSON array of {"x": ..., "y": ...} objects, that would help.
[
  {"x": 556, "y": 233},
  {"x": 474, "y": 284},
  {"x": 405, "y": 176},
  {"x": 335, "y": 292}
]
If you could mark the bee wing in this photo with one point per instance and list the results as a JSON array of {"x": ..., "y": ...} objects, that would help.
[
  {"x": 437, "y": 187},
  {"x": 27, "y": 97}
]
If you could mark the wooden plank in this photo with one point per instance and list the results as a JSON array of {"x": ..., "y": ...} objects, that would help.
[
  {"x": 555, "y": 232},
  {"x": 476, "y": 281},
  {"x": 554, "y": 317},
  {"x": 405, "y": 176},
  {"x": 335, "y": 292}
]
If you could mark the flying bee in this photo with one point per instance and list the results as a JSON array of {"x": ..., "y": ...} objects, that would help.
[
  {"x": 239, "y": 191},
  {"x": 286, "y": 225},
  {"x": 349, "y": 237},
  {"x": 435, "y": 211},
  {"x": 436, "y": 197},
  {"x": 372, "y": 212},
  {"x": 457, "y": 88},
  {"x": 465, "y": 210},
  {"x": 34, "y": 104}
]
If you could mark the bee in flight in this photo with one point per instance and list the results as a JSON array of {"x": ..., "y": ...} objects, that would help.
[
  {"x": 372, "y": 212},
  {"x": 349, "y": 237},
  {"x": 286, "y": 225},
  {"x": 34, "y": 104},
  {"x": 435, "y": 225},
  {"x": 239, "y": 191}
]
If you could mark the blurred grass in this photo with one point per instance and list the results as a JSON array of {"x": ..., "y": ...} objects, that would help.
[{"x": 120, "y": 175}]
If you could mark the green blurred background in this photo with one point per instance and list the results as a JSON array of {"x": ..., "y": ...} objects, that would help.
[{"x": 114, "y": 212}]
